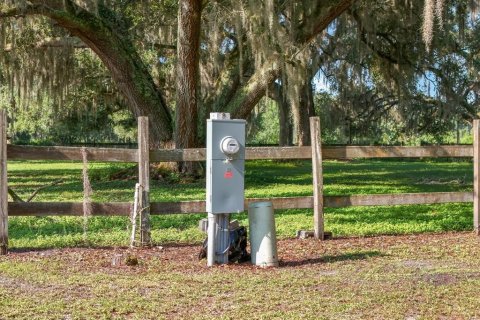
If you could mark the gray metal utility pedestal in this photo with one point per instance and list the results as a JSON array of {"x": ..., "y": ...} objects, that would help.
[{"x": 225, "y": 181}]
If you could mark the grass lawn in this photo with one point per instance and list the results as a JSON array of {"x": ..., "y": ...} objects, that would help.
[
  {"x": 263, "y": 179},
  {"x": 431, "y": 276},
  {"x": 58, "y": 271}
]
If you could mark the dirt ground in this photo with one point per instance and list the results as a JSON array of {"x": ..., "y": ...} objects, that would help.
[{"x": 388, "y": 277}]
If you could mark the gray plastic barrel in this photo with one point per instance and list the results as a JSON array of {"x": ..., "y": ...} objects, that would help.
[{"x": 263, "y": 237}]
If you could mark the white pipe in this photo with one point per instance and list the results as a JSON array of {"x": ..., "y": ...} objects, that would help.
[
  {"x": 211, "y": 240},
  {"x": 134, "y": 215}
]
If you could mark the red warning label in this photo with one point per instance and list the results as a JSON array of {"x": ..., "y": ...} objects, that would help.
[{"x": 228, "y": 174}]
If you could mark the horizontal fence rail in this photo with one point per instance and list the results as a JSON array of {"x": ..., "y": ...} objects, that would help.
[
  {"x": 198, "y": 206},
  {"x": 70, "y": 153},
  {"x": 67, "y": 209},
  {"x": 397, "y": 199},
  {"x": 339, "y": 153},
  {"x": 352, "y": 152},
  {"x": 251, "y": 153}
]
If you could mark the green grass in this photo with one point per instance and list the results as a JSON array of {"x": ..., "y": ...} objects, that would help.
[
  {"x": 263, "y": 179},
  {"x": 425, "y": 276}
]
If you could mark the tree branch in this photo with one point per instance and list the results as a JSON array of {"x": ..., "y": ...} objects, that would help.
[
  {"x": 67, "y": 42},
  {"x": 322, "y": 23},
  {"x": 16, "y": 198},
  {"x": 105, "y": 34},
  {"x": 17, "y": 12},
  {"x": 247, "y": 97}
]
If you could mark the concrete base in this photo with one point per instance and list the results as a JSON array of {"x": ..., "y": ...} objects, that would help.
[{"x": 304, "y": 234}]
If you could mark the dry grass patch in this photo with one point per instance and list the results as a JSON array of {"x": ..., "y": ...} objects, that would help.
[{"x": 388, "y": 277}]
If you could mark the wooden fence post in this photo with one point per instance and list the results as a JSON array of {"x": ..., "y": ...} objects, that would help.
[
  {"x": 317, "y": 170},
  {"x": 476, "y": 178},
  {"x": 3, "y": 184},
  {"x": 144, "y": 180}
]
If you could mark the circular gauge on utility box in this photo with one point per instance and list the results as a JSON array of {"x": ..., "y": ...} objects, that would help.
[{"x": 229, "y": 145}]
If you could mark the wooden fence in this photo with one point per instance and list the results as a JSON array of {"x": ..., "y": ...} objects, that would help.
[{"x": 317, "y": 153}]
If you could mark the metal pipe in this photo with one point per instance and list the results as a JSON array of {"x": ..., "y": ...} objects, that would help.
[
  {"x": 227, "y": 237},
  {"x": 219, "y": 243},
  {"x": 211, "y": 240},
  {"x": 224, "y": 238}
]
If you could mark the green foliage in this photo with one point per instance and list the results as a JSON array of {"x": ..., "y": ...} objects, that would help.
[
  {"x": 390, "y": 89},
  {"x": 345, "y": 126},
  {"x": 124, "y": 126},
  {"x": 89, "y": 112},
  {"x": 263, "y": 126},
  {"x": 385, "y": 87}
]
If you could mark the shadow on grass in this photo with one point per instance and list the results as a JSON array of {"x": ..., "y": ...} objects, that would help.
[
  {"x": 444, "y": 217},
  {"x": 85, "y": 245},
  {"x": 353, "y": 256}
]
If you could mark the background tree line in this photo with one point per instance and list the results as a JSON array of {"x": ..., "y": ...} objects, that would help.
[{"x": 376, "y": 71}]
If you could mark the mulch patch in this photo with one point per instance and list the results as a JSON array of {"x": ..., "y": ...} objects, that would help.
[{"x": 293, "y": 253}]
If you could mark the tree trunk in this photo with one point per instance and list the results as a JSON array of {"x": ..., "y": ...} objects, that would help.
[
  {"x": 250, "y": 94},
  {"x": 284, "y": 118},
  {"x": 186, "y": 114},
  {"x": 303, "y": 109},
  {"x": 285, "y": 132},
  {"x": 106, "y": 35}
]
